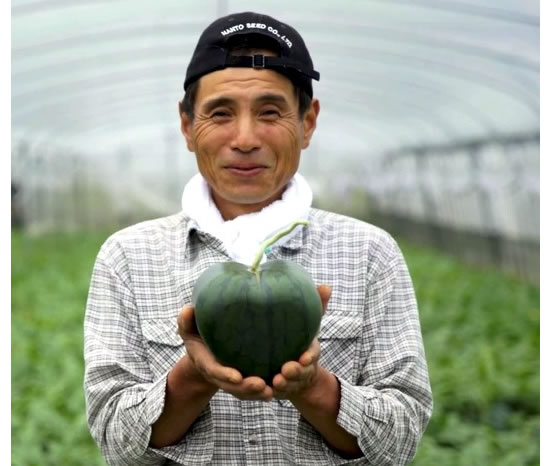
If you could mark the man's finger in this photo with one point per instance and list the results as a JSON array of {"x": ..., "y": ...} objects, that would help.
[
  {"x": 325, "y": 292},
  {"x": 225, "y": 375},
  {"x": 292, "y": 370},
  {"x": 250, "y": 388},
  {"x": 186, "y": 320},
  {"x": 311, "y": 355},
  {"x": 210, "y": 368},
  {"x": 253, "y": 384}
]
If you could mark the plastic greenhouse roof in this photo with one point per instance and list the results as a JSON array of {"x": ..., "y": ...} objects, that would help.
[{"x": 97, "y": 75}]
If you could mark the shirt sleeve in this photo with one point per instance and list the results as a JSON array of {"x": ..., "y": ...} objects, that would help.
[
  {"x": 389, "y": 408},
  {"x": 122, "y": 398}
]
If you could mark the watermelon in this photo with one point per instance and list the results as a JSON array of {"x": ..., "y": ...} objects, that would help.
[{"x": 257, "y": 318}]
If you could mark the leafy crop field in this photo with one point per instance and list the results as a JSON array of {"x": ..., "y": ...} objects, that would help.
[{"x": 481, "y": 332}]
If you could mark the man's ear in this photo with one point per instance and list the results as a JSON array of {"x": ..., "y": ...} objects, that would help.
[
  {"x": 310, "y": 122},
  {"x": 186, "y": 125}
]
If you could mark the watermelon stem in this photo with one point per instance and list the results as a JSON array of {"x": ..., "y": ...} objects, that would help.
[{"x": 255, "y": 268}]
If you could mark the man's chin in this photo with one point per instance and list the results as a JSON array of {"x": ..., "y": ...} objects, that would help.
[{"x": 248, "y": 200}]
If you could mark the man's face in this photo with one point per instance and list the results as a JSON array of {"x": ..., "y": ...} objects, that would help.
[{"x": 247, "y": 136}]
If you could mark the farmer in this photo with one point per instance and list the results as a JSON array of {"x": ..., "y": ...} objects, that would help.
[{"x": 155, "y": 394}]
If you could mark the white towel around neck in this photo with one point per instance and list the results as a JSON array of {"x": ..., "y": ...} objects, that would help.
[{"x": 243, "y": 235}]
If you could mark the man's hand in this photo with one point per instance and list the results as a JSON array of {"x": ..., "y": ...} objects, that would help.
[
  {"x": 213, "y": 373},
  {"x": 297, "y": 377}
]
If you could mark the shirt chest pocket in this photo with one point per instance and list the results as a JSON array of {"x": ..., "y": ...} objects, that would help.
[
  {"x": 164, "y": 345},
  {"x": 339, "y": 338}
]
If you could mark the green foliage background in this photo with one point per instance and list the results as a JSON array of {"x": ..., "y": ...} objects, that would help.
[{"x": 481, "y": 333}]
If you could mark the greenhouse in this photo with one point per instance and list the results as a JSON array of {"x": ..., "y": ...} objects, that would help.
[{"x": 429, "y": 128}]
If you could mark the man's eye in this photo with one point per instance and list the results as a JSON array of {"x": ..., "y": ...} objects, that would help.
[
  {"x": 220, "y": 115},
  {"x": 270, "y": 113}
]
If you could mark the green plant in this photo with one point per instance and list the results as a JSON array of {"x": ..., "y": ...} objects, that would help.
[
  {"x": 480, "y": 328},
  {"x": 481, "y": 335},
  {"x": 50, "y": 278}
]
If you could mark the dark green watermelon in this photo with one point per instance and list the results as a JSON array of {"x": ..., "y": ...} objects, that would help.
[{"x": 255, "y": 322}]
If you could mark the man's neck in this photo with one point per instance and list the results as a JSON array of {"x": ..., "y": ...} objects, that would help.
[{"x": 230, "y": 210}]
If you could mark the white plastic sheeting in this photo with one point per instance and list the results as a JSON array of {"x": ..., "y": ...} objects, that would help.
[{"x": 99, "y": 81}]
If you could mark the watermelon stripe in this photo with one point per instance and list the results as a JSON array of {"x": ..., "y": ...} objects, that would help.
[{"x": 257, "y": 326}]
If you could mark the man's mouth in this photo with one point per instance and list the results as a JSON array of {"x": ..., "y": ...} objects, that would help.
[{"x": 246, "y": 169}]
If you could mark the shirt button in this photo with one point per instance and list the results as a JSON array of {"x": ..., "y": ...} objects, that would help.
[{"x": 253, "y": 440}]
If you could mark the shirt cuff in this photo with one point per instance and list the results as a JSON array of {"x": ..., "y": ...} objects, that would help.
[
  {"x": 196, "y": 447},
  {"x": 311, "y": 448},
  {"x": 154, "y": 400},
  {"x": 355, "y": 403},
  {"x": 364, "y": 414}
]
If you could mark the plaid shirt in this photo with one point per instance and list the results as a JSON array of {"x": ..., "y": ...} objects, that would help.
[{"x": 370, "y": 339}]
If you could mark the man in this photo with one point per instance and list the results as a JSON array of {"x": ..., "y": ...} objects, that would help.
[{"x": 155, "y": 394}]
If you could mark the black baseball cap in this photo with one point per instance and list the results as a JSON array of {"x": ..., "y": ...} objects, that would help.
[{"x": 212, "y": 50}]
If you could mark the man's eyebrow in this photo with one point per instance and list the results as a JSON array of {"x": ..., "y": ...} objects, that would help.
[
  {"x": 217, "y": 102},
  {"x": 272, "y": 98},
  {"x": 222, "y": 101}
]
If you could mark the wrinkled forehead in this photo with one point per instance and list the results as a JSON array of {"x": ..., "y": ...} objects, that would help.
[{"x": 244, "y": 83}]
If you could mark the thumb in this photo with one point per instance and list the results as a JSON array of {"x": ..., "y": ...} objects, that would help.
[
  {"x": 186, "y": 321},
  {"x": 325, "y": 292}
]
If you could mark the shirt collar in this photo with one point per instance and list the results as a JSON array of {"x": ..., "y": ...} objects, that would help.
[{"x": 192, "y": 227}]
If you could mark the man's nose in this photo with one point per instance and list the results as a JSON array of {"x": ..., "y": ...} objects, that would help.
[{"x": 245, "y": 138}]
